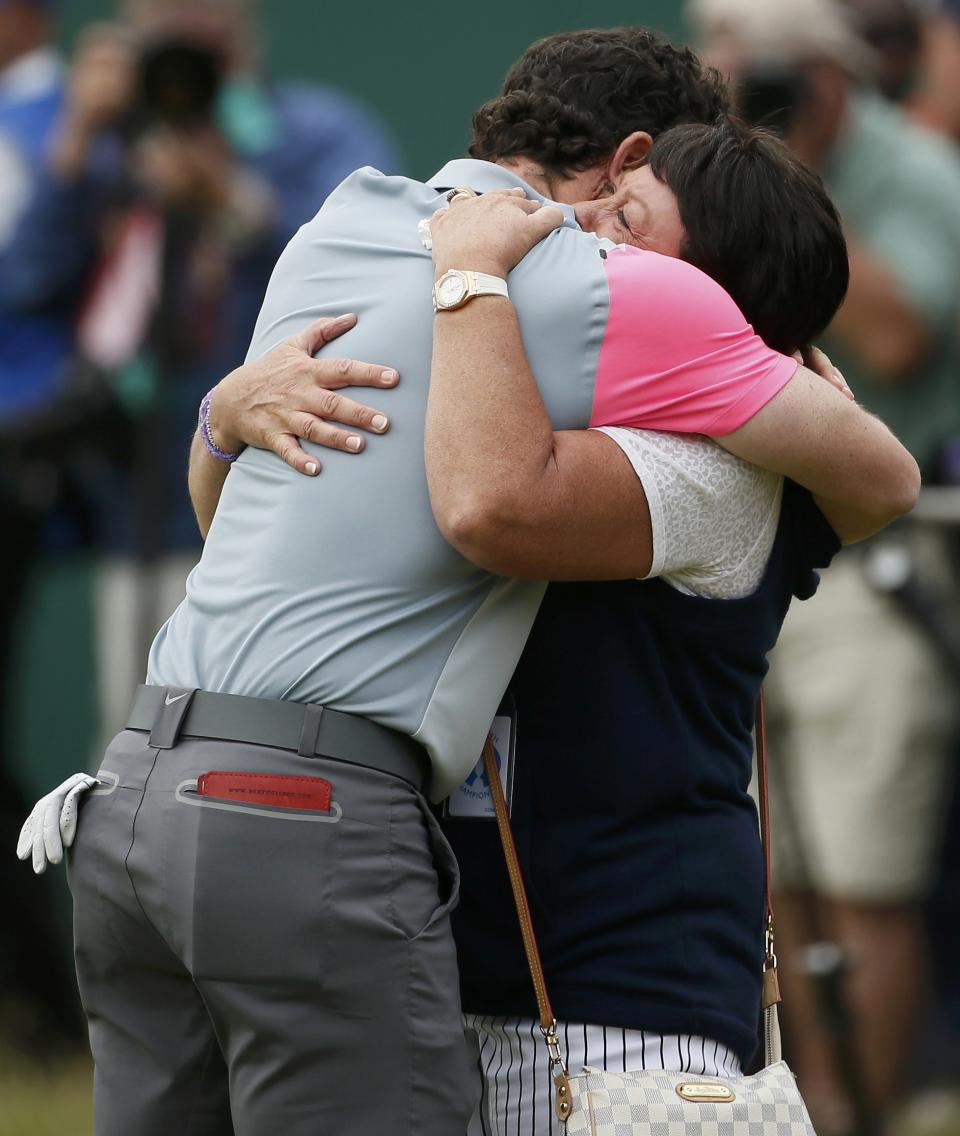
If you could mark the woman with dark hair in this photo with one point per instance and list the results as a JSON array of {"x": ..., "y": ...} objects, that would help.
[{"x": 632, "y": 707}]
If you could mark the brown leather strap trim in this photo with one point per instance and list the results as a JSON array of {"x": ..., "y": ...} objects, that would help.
[
  {"x": 763, "y": 792},
  {"x": 771, "y": 989},
  {"x": 516, "y": 884}
]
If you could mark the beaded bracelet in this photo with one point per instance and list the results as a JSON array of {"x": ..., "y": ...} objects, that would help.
[{"x": 203, "y": 422}]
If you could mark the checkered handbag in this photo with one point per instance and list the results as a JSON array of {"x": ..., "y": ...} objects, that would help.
[{"x": 652, "y": 1102}]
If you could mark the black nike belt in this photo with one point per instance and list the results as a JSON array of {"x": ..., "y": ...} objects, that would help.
[{"x": 169, "y": 713}]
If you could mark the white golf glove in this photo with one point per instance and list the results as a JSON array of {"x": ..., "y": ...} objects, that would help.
[{"x": 52, "y": 825}]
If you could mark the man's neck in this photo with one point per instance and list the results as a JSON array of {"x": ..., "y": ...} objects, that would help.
[
  {"x": 567, "y": 189},
  {"x": 532, "y": 173}
]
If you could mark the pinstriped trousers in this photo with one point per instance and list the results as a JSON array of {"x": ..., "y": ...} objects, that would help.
[{"x": 517, "y": 1092}]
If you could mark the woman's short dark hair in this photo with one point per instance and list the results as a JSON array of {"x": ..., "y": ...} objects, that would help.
[
  {"x": 570, "y": 99},
  {"x": 760, "y": 223}
]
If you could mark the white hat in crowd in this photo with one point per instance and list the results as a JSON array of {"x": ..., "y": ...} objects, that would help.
[{"x": 775, "y": 32}]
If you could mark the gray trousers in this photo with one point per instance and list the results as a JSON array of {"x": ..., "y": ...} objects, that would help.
[{"x": 257, "y": 970}]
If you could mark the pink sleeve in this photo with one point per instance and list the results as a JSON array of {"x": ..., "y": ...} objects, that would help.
[{"x": 677, "y": 353}]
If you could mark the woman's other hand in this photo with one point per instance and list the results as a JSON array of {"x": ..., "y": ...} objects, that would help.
[{"x": 288, "y": 395}]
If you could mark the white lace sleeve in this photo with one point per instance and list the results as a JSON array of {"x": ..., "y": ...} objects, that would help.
[{"x": 714, "y": 517}]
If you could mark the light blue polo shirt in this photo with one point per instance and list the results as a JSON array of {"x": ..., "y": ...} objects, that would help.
[{"x": 340, "y": 589}]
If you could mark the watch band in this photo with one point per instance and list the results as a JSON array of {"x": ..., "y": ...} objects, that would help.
[
  {"x": 486, "y": 285},
  {"x": 457, "y": 286}
]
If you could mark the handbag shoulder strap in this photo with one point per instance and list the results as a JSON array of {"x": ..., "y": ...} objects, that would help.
[{"x": 548, "y": 1022}]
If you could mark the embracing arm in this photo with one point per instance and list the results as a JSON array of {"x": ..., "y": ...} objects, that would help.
[
  {"x": 860, "y": 475},
  {"x": 205, "y": 480},
  {"x": 507, "y": 492},
  {"x": 275, "y": 401},
  {"x": 516, "y": 498}
]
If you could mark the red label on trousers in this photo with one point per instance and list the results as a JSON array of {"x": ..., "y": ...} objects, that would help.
[{"x": 267, "y": 789}]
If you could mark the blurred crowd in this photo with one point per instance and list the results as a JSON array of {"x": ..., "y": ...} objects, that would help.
[
  {"x": 147, "y": 186},
  {"x": 862, "y": 686}
]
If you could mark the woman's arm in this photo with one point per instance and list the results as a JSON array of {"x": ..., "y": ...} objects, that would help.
[
  {"x": 507, "y": 492},
  {"x": 861, "y": 477},
  {"x": 516, "y": 498},
  {"x": 274, "y": 402}
]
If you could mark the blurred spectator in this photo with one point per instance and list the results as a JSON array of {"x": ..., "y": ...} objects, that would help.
[
  {"x": 866, "y": 712},
  {"x": 175, "y": 178},
  {"x": 936, "y": 101},
  {"x": 33, "y": 347},
  {"x": 34, "y": 364},
  {"x": 892, "y": 28}
]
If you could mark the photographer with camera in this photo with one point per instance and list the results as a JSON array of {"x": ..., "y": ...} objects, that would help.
[{"x": 175, "y": 178}]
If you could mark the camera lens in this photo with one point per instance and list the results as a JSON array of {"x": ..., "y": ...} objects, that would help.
[{"x": 180, "y": 83}]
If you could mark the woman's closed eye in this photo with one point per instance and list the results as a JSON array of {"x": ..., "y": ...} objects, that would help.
[{"x": 630, "y": 236}]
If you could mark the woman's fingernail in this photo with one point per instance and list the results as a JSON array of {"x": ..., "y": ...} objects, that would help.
[
  {"x": 389, "y": 377},
  {"x": 354, "y": 443},
  {"x": 311, "y": 468},
  {"x": 379, "y": 422}
]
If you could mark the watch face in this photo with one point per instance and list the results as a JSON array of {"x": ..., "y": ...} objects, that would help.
[{"x": 451, "y": 289}]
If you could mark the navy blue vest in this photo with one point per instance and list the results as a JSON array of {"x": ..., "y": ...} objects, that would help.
[{"x": 638, "y": 840}]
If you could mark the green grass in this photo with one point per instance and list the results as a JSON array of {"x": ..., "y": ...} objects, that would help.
[{"x": 45, "y": 1101}]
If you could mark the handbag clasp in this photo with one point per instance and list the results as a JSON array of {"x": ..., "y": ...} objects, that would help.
[
  {"x": 706, "y": 1092},
  {"x": 564, "y": 1101}
]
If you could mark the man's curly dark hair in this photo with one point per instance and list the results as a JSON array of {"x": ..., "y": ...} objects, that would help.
[{"x": 571, "y": 98}]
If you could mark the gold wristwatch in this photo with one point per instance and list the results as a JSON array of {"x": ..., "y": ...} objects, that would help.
[{"x": 456, "y": 287}]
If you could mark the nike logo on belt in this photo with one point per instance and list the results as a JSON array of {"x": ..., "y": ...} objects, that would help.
[{"x": 170, "y": 701}]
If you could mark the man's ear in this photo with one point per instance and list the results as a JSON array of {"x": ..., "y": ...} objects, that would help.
[{"x": 631, "y": 153}]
